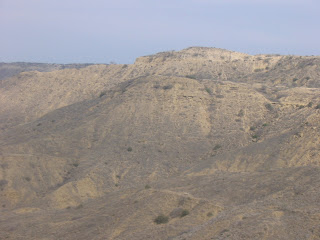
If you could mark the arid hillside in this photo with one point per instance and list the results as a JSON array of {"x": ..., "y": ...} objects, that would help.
[{"x": 202, "y": 143}]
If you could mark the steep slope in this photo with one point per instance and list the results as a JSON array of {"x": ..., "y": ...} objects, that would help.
[
  {"x": 155, "y": 127},
  {"x": 61, "y": 88}
]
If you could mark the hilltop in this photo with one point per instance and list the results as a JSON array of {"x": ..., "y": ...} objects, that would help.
[{"x": 224, "y": 144}]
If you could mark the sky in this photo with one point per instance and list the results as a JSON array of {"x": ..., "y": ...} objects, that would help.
[{"x": 104, "y": 31}]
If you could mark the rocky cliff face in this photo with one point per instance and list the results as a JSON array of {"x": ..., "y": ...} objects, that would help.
[{"x": 217, "y": 141}]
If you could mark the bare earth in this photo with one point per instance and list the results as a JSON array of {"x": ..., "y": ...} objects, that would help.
[{"x": 224, "y": 145}]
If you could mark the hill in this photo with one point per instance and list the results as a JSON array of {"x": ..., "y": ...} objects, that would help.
[{"x": 223, "y": 150}]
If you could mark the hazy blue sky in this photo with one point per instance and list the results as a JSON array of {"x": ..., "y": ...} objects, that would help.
[{"x": 101, "y": 31}]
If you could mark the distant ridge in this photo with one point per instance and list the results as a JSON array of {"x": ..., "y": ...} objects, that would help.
[{"x": 10, "y": 69}]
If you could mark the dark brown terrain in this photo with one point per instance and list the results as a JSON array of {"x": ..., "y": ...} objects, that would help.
[{"x": 224, "y": 145}]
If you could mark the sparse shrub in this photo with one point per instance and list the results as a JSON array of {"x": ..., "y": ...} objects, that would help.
[
  {"x": 156, "y": 86},
  {"x": 220, "y": 96},
  {"x": 265, "y": 124},
  {"x": 295, "y": 79},
  {"x": 318, "y": 106},
  {"x": 310, "y": 104},
  {"x": 27, "y": 179},
  {"x": 39, "y": 124},
  {"x": 209, "y": 214},
  {"x": 216, "y": 147},
  {"x": 102, "y": 94},
  {"x": 241, "y": 113},
  {"x": 118, "y": 176},
  {"x": 129, "y": 149},
  {"x": 255, "y": 136},
  {"x": 258, "y": 70},
  {"x": 167, "y": 87},
  {"x": 184, "y": 213},
  {"x": 252, "y": 128},
  {"x": 75, "y": 164},
  {"x": 147, "y": 186},
  {"x": 191, "y": 76},
  {"x": 208, "y": 90},
  {"x": 301, "y": 106},
  {"x": 307, "y": 78},
  {"x": 161, "y": 219},
  {"x": 269, "y": 106},
  {"x": 116, "y": 185}
]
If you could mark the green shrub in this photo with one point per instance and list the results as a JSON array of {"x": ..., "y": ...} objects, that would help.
[
  {"x": 129, "y": 149},
  {"x": 161, "y": 219},
  {"x": 269, "y": 106},
  {"x": 252, "y": 128},
  {"x": 191, "y": 76},
  {"x": 208, "y": 90},
  {"x": 216, "y": 147},
  {"x": 241, "y": 113},
  {"x": 209, "y": 214},
  {"x": 255, "y": 136},
  {"x": 184, "y": 213},
  {"x": 318, "y": 106}
]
